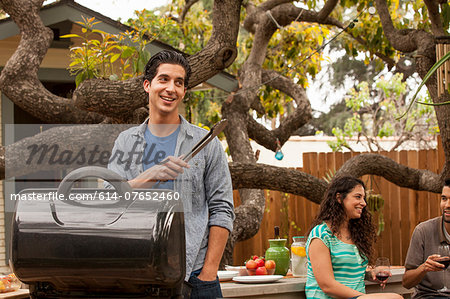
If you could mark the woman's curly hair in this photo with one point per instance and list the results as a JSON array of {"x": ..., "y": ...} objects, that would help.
[{"x": 362, "y": 230}]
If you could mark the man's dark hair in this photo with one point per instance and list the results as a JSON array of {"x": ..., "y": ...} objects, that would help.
[
  {"x": 166, "y": 56},
  {"x": 447, "y": 182}
]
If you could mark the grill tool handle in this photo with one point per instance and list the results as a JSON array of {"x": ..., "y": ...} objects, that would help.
[{"x": 120, "y": 185}]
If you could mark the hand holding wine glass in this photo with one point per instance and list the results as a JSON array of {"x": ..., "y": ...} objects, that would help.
[
  {"x": 444, "y": 259},
  {"x": 382, "y": 270}
]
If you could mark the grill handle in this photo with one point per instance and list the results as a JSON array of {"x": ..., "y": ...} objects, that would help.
[{"x": 120, "y": 184}]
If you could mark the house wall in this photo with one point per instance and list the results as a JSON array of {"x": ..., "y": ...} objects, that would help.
[{"x": 55, "y": 58}]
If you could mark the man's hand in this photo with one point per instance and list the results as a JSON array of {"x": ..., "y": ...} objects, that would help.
[
  {"x": 168, "y": 169},
  {"x": 413, "y": 277},
  {"x": 431, "y": 265},
  {"x": 207, "y": 276},
  {"x": 218, "y": 237}
]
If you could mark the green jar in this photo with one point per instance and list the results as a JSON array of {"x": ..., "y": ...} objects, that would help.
[{"x": 280, "y": 254}]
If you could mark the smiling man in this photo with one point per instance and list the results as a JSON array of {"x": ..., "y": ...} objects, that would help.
[
  {"x": 423, "y": 271},
  {"x": 156, "y": 148}
]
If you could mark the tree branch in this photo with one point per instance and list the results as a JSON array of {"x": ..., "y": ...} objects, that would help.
[
  {"x": 435, "y": 18},
  {"x": 408, "y": 41},
  {"x": 403, "y": 176},
  {"x": 302, "y": 113},
  {"x": 186, "y": 8},
  {"x": 261, "y": 134},
  {"x": 268, "y": 5},
  {"x": 108, "y": 97},
  {"x": 220, "y": 51},
  {"x": 326, "y": 10},
  {"x": 405, "y": 40},
  {"x": 291, "y": 123},
  {"x": 249, "y": 175}
]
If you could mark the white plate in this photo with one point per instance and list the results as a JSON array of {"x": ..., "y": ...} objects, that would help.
[
  {"x": 257, "y": 278},
  {"x": 226, "y": 275}
]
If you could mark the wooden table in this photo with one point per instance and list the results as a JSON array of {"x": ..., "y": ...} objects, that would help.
[
  {"x": 294, "y": 287},
  {"x": 21, "y": 293},
  {"x": 289, "y": 287}
]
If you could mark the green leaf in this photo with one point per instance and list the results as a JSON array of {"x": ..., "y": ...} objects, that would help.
[
  {"x": 128, "y": 52},
  {"x": 115, "y": 57},
  {"x": 69, "y": 35},
  {"x": 75, "y": 62},
  {"x": 80, "y": 78},
  {"x": 99, "y": 31}
]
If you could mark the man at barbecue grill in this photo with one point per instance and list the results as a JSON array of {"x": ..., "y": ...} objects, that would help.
[
  {"x": 204, "y": 182},
  {"x": 423, "y": 271}
]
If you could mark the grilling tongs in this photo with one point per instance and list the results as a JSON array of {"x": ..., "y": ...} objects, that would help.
[{"x": 215, "y": 130}]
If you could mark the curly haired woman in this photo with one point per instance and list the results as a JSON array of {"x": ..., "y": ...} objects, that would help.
[{"x": 340, "y": 244}]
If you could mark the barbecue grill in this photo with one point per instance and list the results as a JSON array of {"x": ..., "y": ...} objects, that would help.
[{"x": 101, "y": 243}]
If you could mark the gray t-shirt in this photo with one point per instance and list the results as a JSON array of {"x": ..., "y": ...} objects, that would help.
[{"x": 425, "y": 241}]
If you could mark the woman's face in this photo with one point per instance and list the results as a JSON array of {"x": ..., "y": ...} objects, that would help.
[{"x": 354, "y": 202}]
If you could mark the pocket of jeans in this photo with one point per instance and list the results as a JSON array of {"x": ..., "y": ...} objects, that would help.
[{"x": 194, "y": 280}]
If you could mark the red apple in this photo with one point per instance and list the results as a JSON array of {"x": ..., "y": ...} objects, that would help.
[
  {"x": 251, "y": 264},
  {"x": 261, "y": 271},
  {"x": 254, "y": 257},
  {"x": 270, "y": 264},
  {"x": 259, "y": 262}
]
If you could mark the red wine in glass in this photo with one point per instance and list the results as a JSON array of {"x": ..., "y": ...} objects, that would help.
[
  {"x": 382, "y": 276},
  {"x": 444, "y": 261}
]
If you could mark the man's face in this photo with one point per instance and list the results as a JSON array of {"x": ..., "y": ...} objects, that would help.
[
  {"x": 166, "y": 90},
  {"x": 445, "y": 203}
]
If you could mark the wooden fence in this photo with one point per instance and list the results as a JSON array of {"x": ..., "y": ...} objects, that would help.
[{"x": 403, "y": 208}]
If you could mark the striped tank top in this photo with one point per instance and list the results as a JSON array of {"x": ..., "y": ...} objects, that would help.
[{"x": 348, "y": 265}]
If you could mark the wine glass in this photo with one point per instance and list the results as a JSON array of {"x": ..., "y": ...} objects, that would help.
[
  {"x": 444, "y": 259},
  {"x": 382, "y": 270}
]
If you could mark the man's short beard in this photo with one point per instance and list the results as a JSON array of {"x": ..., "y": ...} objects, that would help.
[{"x": 445, "y": 219}]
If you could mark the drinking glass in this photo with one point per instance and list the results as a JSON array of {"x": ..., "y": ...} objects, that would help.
[
  {"x": 444, "y": 252},
  {"x": 298, "y": 257},
  {"x": 382, "y": 270}
]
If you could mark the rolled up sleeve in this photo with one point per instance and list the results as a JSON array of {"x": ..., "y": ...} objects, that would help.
[{"x": 218, "y": 188}]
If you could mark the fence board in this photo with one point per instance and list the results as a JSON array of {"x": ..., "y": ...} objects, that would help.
[
  {"x": 413, "y": 162},
  {"x": 394, "y": 193},
  {"x": 424, "y": 213},
  {"x": 307, "y": 158},
  {"x": 432, "y": 165},
  {"x": 440, "y": 154},
  {"x": 404, "y": 211}
]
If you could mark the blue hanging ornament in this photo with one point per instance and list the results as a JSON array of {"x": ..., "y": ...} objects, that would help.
[{"x": 279, "y": 154}]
